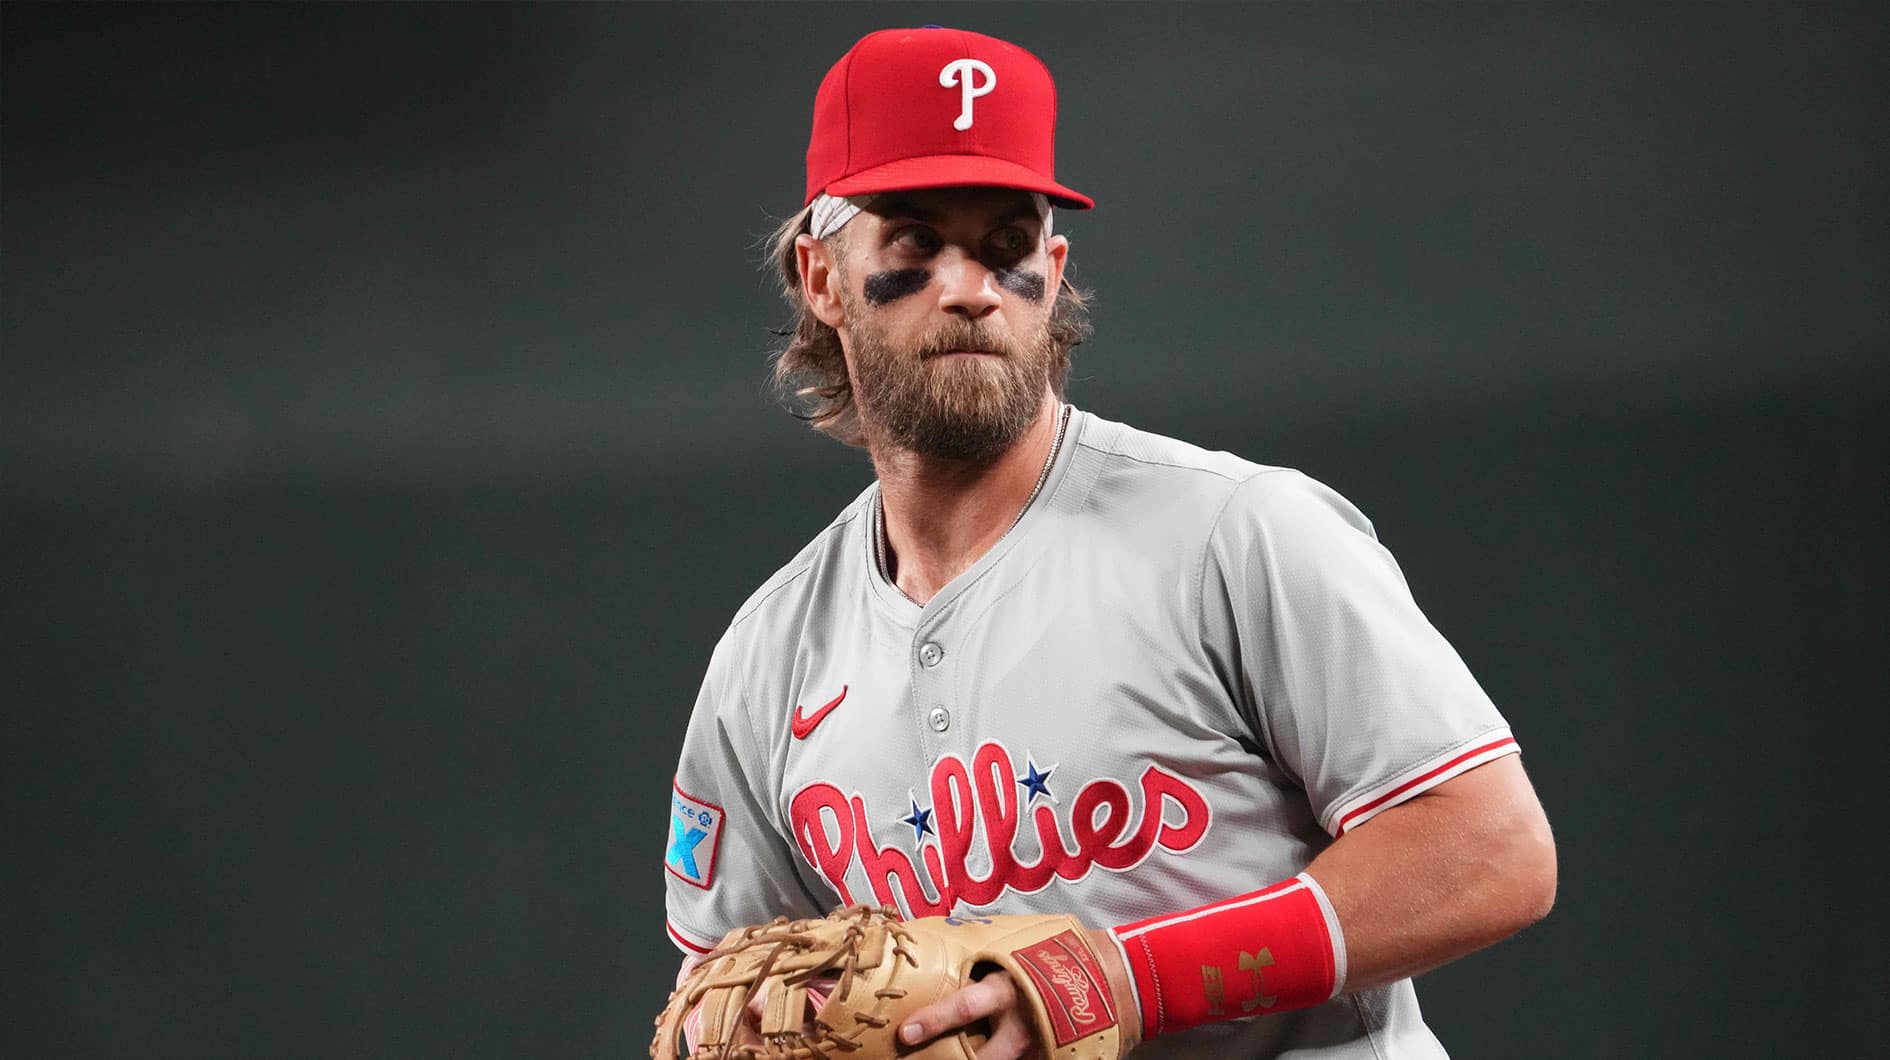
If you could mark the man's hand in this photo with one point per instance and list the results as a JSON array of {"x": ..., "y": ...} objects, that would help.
[
  {"x": 992, "y": 998},
  {"x": 995, "y": 998}
]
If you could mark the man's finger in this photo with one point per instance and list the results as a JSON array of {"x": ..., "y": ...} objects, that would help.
[
  {"x": 1010, "y": 1041},
  {"x": 987, "y": 997}
]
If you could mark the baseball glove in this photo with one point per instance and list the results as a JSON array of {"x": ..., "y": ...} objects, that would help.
[{"x": 868, "y": 970}]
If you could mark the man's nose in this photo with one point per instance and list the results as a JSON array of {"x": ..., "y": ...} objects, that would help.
[{"x": 966, "y": 287}]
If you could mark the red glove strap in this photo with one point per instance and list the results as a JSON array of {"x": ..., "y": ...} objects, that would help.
[{"x": 1267, "y": 951}]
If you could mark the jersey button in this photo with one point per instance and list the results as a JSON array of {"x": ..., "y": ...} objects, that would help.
[
  {"x": 930, "y": 654},
  {"x": 940, "y": 718}
]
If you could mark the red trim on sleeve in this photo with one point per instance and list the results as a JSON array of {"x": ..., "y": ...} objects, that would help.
[
  {"x": 676, "y": 937},
  {"x": 1418, "y": 781}
]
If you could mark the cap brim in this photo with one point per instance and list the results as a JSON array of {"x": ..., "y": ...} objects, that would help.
[{"x": 952, "y": 171}]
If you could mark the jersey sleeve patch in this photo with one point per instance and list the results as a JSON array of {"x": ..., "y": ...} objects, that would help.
[
  {"x": 695, "y": 829},
  {"x": 1419, "y": 779}
]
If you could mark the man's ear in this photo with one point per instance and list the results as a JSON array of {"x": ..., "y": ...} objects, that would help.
[
  {"x": 820, "y": 279},
  {"x": 1058, "y": 249}
]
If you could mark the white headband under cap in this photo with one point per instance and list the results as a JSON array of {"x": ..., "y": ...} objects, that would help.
[{"x": 831, "y": 214}]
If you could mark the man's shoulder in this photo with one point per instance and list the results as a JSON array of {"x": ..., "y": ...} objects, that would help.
[
  {"x": 1193, "y": 487},
  {"x": 1141, "y": 456},
  {"x": 790, "y": 585}
]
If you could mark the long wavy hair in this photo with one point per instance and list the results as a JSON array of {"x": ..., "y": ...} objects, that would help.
[{"x": 810, "y": 371}]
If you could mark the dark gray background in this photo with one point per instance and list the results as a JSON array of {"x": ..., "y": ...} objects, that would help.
[{"x": 385, "y": 445}]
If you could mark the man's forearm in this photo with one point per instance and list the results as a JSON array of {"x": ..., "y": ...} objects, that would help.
[{"x": 1421, "y": 884}]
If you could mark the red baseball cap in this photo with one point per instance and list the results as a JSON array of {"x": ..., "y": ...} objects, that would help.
[{"x": 935, "y": 108}]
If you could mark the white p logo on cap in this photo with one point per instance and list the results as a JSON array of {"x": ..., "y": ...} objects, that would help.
[{"x": 959, "y": 72}]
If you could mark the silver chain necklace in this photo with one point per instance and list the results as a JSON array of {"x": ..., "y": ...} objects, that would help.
[{"x": 879, "y": 509}]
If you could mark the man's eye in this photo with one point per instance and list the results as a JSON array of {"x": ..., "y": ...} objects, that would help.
[
  {"x": 1010, "y": 241},
  {"x": 917, "y": 238}
]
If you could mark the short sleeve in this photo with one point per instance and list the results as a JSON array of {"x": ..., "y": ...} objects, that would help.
[
  {"x": 1346, "y": 683},
  {"x": 727, "y": 864}
]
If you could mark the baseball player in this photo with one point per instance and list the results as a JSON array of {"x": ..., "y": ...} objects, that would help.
[{"x": 1048, "y": 663}]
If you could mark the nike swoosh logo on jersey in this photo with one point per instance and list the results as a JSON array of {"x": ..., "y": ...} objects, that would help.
[{"x": 803, "y": 724}]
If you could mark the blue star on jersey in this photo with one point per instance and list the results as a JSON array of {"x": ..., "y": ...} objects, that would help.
[
  {"x": 920, "y": 820},
  {"x": 1036, "y": 781}
]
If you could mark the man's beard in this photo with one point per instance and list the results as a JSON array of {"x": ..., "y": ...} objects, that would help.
[{"x": 970, "y": 408}]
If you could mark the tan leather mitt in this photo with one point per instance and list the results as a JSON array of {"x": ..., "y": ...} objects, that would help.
[{"x": 877, "y": 970}]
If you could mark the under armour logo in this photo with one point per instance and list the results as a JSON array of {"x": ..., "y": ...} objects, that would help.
[{"x": 958, "y": 72}]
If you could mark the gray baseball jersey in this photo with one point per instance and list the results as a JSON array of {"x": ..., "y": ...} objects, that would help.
[{"x": 1178, "y": 678}]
